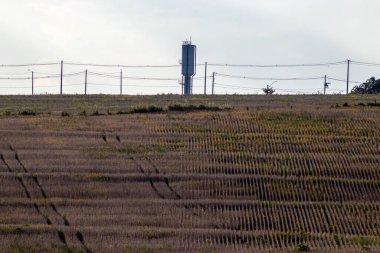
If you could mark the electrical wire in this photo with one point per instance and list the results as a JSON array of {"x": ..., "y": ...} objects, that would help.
[
  {"x": 43, "y": 77},
  {"x": 132, "y": 77},
  {"x": 28, "y": 64},
  {"x": 179, "y": 65},
  {"x": 103, "y": 84},
  {"x": 202, "y": 77},
  {"x": 342, "y": 80},
  {"x": 121, "y": 66},
  {"x": 15, "y": 73},
  {"x": 236, "y": 86},
  {"x": 369, "y": 64},
  {"x": 152, "y": 86},
  {"x": 103, "y": 75},
  {"x": 277, "y": 65},
  {"x": 249, "y": 88},
  {"x": 73, "y": 84},
  {"x": 301, "y": 92},
  {"x": 40, "y": 86},
  {"x": 46, "y": 86},
  {"x": 15, "y": 87},
  {"x": 133, "y": 85},
  {"x": 150, "y": 78},
  {"x": 270, "y": 78},
  {"x": 58, "y": 74},
  {"x": 116, "y": 75}
]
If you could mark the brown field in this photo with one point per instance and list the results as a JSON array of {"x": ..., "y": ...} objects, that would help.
[{"x": 264, "y": 174}]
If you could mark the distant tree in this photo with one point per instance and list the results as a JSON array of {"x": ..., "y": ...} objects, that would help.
[
  {"x": 371, "y": 86},
  {"x": 269, "y": 90}
]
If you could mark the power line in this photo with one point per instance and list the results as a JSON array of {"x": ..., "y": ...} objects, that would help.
[
  {"x": 179, "y": 65},
  {"x": 121, "y": 66},
  {"x": 304, "y": 91},
  {"x": 277, "y": 65},
  {"x": 250, "y": 88},
  {"x": 104, "y": 84},
  {"x": 133, "y": 77},
  {"x": 42, "y": 77},
  {"x": 15, "y": 87},
  {"x": 236, "y": 86},
  {"x": 40, "y": 86},
  {"x": 341, "y": 80},
  {"x": 133, "y": 85},
  {"x": 73, "y": 84},
  {"x": 369, "y": 64},
  {"x": 153, "y": 86},
  {"x": 104, "y": 75},
  {"x": 114, "y": 75},
  {"x": 150, "y": 78},
  {"x": 300, "y": 91},
  {"x": 270, "y": 78},
  {"x": 15, "y": 73},
  {"x": 28, "y": 64},
  {"x": 202, "y": 78},
  {"x": 58, "y": 74}
]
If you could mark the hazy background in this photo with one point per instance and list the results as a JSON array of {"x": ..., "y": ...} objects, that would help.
[{"x": 143, "y": 32}]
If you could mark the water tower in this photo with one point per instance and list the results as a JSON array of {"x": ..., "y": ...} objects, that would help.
[{"x": 189, "y": 66}]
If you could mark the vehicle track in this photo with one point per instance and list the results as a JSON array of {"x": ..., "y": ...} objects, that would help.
[
  {"x": 147, "y": 173},
  {"x": 61, "y": 234}
]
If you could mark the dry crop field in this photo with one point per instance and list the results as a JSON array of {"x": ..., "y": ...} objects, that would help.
[{"x": 238, "y": 174}]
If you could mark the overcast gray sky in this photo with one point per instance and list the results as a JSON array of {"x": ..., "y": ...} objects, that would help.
[{"x": 151, "y": 32}]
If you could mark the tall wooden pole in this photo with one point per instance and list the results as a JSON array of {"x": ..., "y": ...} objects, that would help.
[
  {"x": 213, "y": 82},
  {"x": 205, "y": 89},
  {"x": 61, "y": 76},
  {"x": 32, "y": 83},
  {"x": 348, "y": 75},
  {"x": 121, "y": 82},
  {"x": 85, "y": 83}
]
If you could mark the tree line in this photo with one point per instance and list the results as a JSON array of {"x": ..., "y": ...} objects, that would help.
[{"x": 371, "y": 86}]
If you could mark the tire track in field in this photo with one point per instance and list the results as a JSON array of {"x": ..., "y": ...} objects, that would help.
[
  {"x": 39, "y": 186},
  {"x": 78, "y": 234},
  {"x": 188, "y": 207},
  {"x": 61, "y": 234},
  {"x": 152, "y": 185},
  {"x": 141, "y": 168},
  {"x": 147, "y": 174},
  {"x": 135, "y": 159}
]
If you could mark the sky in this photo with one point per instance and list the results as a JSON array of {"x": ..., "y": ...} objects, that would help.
[{"x": 150, "y": 32}]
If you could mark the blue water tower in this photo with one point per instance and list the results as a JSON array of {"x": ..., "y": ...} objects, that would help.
[{"x": 189, "y": 66}]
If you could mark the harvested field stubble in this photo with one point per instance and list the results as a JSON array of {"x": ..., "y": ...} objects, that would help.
[{"x": 288, "y": 174}]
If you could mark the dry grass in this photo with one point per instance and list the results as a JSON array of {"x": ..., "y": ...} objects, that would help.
[{"x": 274, "y": 174}]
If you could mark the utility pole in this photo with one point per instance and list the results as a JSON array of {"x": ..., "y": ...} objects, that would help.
[
  {"x": 205, "y": 89},
  {"x": 85, "y": 82},
  {"x": 121, "y": 82},
  {"x": 348, "y": 75},
  {"x": 61, "y": 76},
  {"x": 325, "y": 85},
  {"x": 213, "y": 82},
  {"x": 32, "y": 83}
]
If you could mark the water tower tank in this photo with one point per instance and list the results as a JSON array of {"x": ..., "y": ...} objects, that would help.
[{"x": 189, "y": 65}]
